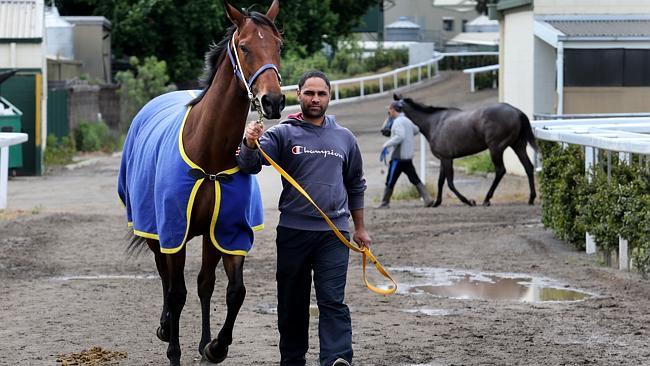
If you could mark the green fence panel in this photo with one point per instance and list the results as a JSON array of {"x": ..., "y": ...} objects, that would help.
[
  {"x": 20, "y": 90},
  {"x": 57, "y": 113}
]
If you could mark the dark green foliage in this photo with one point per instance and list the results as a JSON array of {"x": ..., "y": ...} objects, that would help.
[
  {"x": 461, "y": 63},
  {"x": 95, "y": 136},
  {"x": 179, "y": 32},
  {"x": 606, "y": 208},
  {"x": 59, "y": 151},
  {"x": 562, "y": 185}
]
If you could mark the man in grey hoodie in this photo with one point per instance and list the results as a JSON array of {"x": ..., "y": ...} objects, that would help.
[
  {"x": 402, "y": 140},
  {"x": 325, "y": 159}
]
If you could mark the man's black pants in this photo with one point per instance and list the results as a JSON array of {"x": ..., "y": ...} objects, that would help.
[{"x": 299, "y": 253}]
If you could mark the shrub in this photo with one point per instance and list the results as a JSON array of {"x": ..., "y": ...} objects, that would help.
[
  {"x": 95, "y": 136},
  {"x": 610, "y": 205},
  {"x": 59, "y": 151},
  {"x": 477, "y": 164},
  {"x": 148, "y": 81}
]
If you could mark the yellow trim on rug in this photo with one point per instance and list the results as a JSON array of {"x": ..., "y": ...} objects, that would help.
[
  {"x": 259, "y": 227},
  {"x": 145, "y": 235},
  {"x": 188, "y": 213},
  {"x": 213, "y": 223},
  {"x": 129, "y": 224}
]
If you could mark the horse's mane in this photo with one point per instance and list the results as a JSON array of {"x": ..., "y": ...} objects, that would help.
[
  {"x": 218, "y": 51},
  {"x": 427, "y": 108}
]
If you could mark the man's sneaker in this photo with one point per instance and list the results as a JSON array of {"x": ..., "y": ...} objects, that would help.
[{"x": 341, "y": 362}]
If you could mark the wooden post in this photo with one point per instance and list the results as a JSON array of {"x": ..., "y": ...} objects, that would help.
[{"x": 590, "y": 160}]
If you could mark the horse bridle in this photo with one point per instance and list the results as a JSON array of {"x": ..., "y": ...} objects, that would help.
[{"x": 239, "y": 73}]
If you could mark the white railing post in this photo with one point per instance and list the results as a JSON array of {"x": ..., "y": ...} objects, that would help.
[
  {"x": 623, "y": 245},
  {"x": 423, "y": 159},
  {"x": 381, "y": 84},
  {"x": 472, "y": 87},
  {"x": 590, "y": 160},
  {"x": 361, "y": 88},
  {"x": 429, "y": 71},
  {"x": 395, "y": 79},
  {"x": 408, "y": 76},
  {"x": 4, "y": 171},
  {"x": 419, "y": 73},
  {"x": 336, "y": 91}
]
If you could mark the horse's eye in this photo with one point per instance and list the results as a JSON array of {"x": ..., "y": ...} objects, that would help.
[
  {"x": 281, "y": 48},
  {"x": 244, "y": 49}
]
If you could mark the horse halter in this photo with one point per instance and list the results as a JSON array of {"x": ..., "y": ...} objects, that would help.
[{"x": 239, "y": 73}]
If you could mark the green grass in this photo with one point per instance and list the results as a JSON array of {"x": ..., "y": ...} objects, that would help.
[
  {"x": 408, "y": 192},
  {"x": 478, "y": 164}
]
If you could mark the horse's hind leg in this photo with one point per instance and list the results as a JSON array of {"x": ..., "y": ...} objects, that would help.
[
  {"x": 163, "y": 330},
  {"x": 448, "y": 166},
  {"x": 520, "y": 150},
  {"x": 499, "y": 172},
  {"x": 205, "y": 283},
  {"x": 176, "y": 301},
  {"x": 217, "y": 350}
]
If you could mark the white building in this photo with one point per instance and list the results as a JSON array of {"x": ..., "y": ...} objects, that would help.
[{"x": 573, "y": 56}]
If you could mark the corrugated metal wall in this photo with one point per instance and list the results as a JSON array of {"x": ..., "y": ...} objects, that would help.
[{"x": 21, "y": 19}]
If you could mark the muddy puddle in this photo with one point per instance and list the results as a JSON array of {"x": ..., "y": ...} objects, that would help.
[{"x": 455, "y": 284}]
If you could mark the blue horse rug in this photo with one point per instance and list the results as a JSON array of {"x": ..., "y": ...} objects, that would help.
[{"x": 158, "y": 183}]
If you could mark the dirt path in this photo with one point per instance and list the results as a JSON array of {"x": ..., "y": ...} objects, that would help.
[{"x": 66, "y": 285}]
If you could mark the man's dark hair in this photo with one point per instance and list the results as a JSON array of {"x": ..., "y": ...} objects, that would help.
[{"x": 313, "y": 74}]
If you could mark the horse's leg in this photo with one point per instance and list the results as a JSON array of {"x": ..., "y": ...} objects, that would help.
[
  {"x": 448, "y": 166},
  {"x": 205, "y": 283},
  {"x": 499, "y": 172},
  {"x": 175, "y": 300},
  {"x": 163, "y": 330},
  {"x": 441, "y": 184},
  {"x": 217, "y": 350},
  {"x": 520, "y": 150}
]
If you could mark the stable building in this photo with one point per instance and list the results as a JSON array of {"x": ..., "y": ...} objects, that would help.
[{"x": 22, "y": 48}]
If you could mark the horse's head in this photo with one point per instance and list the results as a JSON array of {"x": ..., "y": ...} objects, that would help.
[{"x": 256, "y": 45}]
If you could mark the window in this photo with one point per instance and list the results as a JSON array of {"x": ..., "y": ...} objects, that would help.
[
  {"x": 606, "y": 67},
  {"x": 448, "y": 24},
  {"x": 464, "y": 26}
]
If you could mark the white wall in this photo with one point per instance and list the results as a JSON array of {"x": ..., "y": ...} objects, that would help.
[
  {"x": 517, "y": 68},
  {"x": 592, "y": 7},
  {"x": 21, "y": 55},
  {"x": 545, "y": 78}
]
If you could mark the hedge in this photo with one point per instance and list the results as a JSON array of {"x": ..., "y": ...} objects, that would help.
[{"x": 611, "y": 205}]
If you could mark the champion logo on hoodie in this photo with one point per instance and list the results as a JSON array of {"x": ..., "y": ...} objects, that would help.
[{"x": 297, "y": 150}]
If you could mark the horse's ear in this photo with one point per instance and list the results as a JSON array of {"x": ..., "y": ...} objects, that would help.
[
  {"x": 397, "y": 96},
  {"x": 273, "y": 10},
  {"x": 235, "y": 16}
]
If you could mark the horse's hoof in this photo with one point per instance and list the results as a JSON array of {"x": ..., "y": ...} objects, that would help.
[
  {"x": 436, "y": 204},
  {"x": 486, "y": 204},
  {"x": 162, "y": 334},
  {"x": 472, "y": 203},
  {"x": 531, "y": 202},
  {"x": 216, "y": 357},
  {"x": 175, "y": 362}
]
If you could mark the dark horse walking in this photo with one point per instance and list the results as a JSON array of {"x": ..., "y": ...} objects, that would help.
[
  {"x": 453, "y": 133},
  {"x": 179, "y": 177}
]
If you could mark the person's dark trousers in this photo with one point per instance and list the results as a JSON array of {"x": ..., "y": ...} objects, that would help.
[
  {"x": 299, "y": 253},
  {"x": 396, "y": 168}
]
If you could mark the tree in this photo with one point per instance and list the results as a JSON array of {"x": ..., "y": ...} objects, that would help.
[{"x": 179, "y": 32}]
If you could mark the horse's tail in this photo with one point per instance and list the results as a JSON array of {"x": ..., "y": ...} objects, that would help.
[
  {"x": 136, "y": 246},
  {"x": 527, "y": 131}
]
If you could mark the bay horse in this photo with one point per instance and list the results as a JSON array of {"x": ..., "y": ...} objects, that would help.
[
  {"x": 179, "y": 177},
  {"x": 453, "y": 133}
]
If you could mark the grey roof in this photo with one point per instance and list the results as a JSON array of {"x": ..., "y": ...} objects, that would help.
[
  {"x": 88, "y": 20},
  {"x": 605, "y": 27}
]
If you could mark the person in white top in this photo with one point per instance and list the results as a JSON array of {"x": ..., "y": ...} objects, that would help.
[{"x": 402, "y": 141}]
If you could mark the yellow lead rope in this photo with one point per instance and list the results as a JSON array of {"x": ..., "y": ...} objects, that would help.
[{"x": 365, "y": 252}]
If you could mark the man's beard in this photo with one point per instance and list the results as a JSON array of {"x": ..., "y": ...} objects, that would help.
[{"x": 307, "y": 112}]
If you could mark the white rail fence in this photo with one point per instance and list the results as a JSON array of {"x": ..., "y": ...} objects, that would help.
[
  {"x": 432, "y": 71},
  {"x": 624, "y": 133}
]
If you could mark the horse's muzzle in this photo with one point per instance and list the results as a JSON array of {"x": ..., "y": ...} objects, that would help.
[{"x": 272, "y": 105}]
